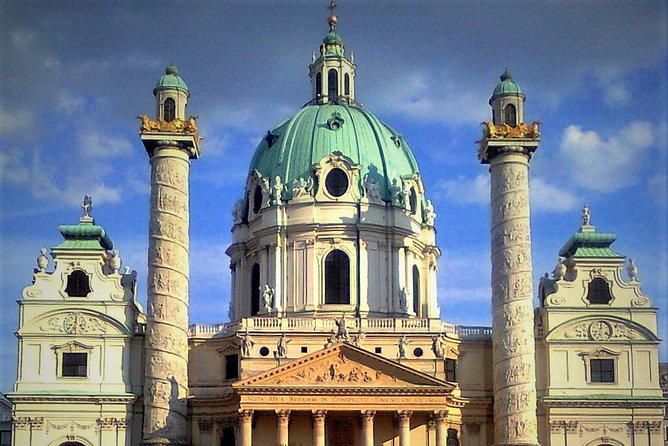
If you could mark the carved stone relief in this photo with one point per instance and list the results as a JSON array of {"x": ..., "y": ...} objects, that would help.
[
  {"x": 74, "y": 323},
  {"x": 340, "y": 370}
]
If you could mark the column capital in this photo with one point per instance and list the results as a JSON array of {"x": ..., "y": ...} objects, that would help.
[
  {"x": 283, "y": 416},
  {"x": 368, "y": 415},
  {"x": 404, "y": 415},
  {"x": 205, "y": 425},
  {"x": 318, "y": 415},
  {"x": 439, "y": 416},
  {"x": 246, "y": 415}
]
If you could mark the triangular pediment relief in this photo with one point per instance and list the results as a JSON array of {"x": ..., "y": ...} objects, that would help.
[
  {"x": 601, "y": 329},
  {"x": 343, "y": 365}
]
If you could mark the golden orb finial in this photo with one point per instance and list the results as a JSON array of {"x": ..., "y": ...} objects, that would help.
[{"x": 332, "y": 19}]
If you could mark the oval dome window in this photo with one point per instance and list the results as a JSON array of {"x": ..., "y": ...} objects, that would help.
[{"x": 336, "y": 182}]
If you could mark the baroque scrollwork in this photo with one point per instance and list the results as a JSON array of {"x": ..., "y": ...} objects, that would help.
[
  {"x": 174, "y": 126},
  {"x": 520, "y": 131}
]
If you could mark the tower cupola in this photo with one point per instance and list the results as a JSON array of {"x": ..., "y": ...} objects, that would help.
[
  {"x": 171, "y": 95},
  {"x": 507, "y": 102},
  {"x": 332, "y": 73}
]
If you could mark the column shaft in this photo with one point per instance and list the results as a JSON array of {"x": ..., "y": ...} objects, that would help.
[
  {"x": 166, "y": 368},
  {"x": 282, "y": 424},
  {"x": 441, "y": 431},
  {"x": 367, "y": 427},
  {"x": 245, "y": 428},
  {"x": 319, "y": 427},
  {"x": 512, "y": 318},
  {"x": 404, "y": 418}
]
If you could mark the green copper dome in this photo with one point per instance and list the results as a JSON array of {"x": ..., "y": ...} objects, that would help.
[
  {"x": 332, "y": 38},
  {"x": 293, "y": 147},
  {"x": 171, "y": 80},
  {"x": 506, "y": 87}
]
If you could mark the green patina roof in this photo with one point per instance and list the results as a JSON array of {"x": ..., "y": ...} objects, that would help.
[
  {"x": 332, "y": 37},
  {"x": 589, "y": 243},
  {"x": 305, "y": 138},
  {"x": 85, "y": 235},
  {"x": 171, "y": 80},
  {"x": 506, "y": 87}
]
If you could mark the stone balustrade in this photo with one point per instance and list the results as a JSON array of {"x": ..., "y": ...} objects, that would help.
[{"x": 326, "y": 325}]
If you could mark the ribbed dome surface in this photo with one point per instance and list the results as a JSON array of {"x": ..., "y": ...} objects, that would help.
[
  {"x": 171, "y": 80},
  {"x": 315, "y": 131},
  {"x": 506, "y": 87}
]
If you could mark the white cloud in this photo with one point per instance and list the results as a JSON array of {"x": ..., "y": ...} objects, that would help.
[
  {"x": 548, "y": 198},
  {"x": 466, "y": 190},
  {"x": 426, "y": 97},
  {"x": 96, "y": 144},
  {"x": 606, "y": 164},
  {"x": 15, "y": 123}
]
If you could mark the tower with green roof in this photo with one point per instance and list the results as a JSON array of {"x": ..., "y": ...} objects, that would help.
[
  {"x": 171, "y": 142},
  {"x": 597, "y": 346}
]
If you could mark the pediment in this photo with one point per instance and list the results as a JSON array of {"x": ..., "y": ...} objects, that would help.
[
  {"x": 601, "y": 329},
  {"x": 343, "y": 365},
  {"x": 74, "y": 322}
]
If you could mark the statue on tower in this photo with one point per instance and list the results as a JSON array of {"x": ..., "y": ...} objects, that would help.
[
  {"x": 586, "y": 216},
  {"x": 87, "y": 206}
]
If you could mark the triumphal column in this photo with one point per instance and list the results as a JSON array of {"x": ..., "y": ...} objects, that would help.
[
  {"x": 507, "y": 146},
  {"x": 171, "y": 141}
]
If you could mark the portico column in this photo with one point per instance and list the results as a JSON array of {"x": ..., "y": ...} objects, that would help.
[
  {"x": 245, "y": 428},
  {"x": 319, "y": 427},
  {"x": 367, "y": 427},
  {"x": 404, "y": 417},
  {"x": 282, "y": 420},
  {"x": 441, "y": 432}
]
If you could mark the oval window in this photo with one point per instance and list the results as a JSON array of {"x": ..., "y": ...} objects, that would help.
[
  {"x": 336, "y": 182},
  {"x": 257, "y": 199},
  {"x": 264, "y": 351}
]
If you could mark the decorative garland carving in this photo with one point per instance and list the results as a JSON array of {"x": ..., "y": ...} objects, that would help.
[{"x": 74, "y": 323}]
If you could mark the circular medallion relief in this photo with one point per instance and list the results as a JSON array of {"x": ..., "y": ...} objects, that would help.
[
  {"x": 336, "y": 182},
  {"x": 600, "y": 330}
]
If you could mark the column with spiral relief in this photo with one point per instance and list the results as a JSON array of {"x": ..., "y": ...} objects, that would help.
[{"x": 172, "y": 142}]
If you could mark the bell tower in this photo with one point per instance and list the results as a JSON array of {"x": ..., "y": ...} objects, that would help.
[
  {"x": 332, "y": 73},
  {"x": 171, "y": 143}
]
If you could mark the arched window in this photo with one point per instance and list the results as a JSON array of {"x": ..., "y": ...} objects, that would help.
[
  {"x": 510, "y": 115},
  {"x": 453, "y": 438},
  {"x": 257, "y": 199},
  {"x": 332, "y": 85},
  {"x": 346, "y": 84},
  {"x": 169, "y": 110},
  {"x": 77, "y": 284},
  {"x": 416, "y": 290},
  {"x": 318, "y": 84},
  {"x": 412, "y": 201},
  {"x": 255, "y": 289},
  {"x": 599, "y": 292},
  {"x": 337, "y": 278}
]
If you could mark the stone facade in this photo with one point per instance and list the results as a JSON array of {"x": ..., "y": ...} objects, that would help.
[{"x": 335, "y": 336}]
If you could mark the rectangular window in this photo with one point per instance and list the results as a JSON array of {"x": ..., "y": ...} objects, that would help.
[
  {"x": 75, "y": 364},
  {"x": 231, "y": 366},
  {"x": 450, "y": 370},
  {"x": 602, "y": 370}
]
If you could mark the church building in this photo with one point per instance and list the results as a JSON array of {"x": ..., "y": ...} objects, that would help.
[{"x": 335, "y": 335}]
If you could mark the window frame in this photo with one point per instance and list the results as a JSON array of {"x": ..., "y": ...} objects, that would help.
[
  {"x": 325, "y": 287},
  {"x": 72, "y": 347}
]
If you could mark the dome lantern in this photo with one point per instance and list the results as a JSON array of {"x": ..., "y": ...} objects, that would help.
[
  {"x": 332, "y": 74},
  {"x": 507, "y": 101},
  {"x": 171, "y": 95}
]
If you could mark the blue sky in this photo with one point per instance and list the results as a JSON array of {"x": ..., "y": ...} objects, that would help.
[{"x": 74, "y": 76}]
